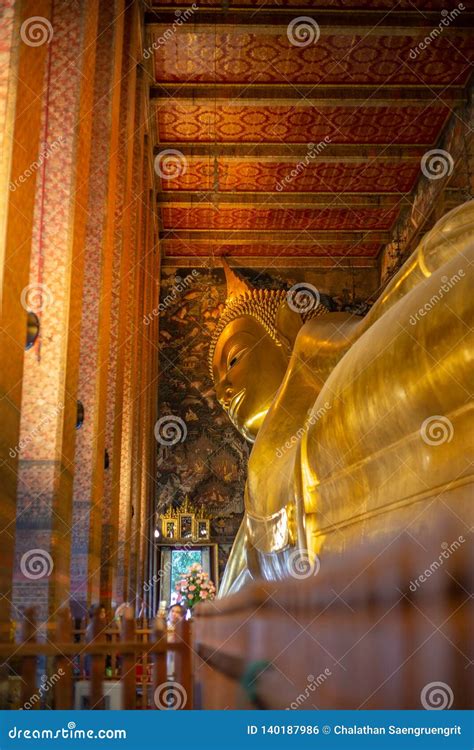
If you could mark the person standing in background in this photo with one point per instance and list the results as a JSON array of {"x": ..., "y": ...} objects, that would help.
[{"x": 176, "y": 614}]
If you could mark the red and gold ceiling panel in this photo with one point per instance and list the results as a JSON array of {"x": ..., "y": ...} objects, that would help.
[
  {"x": 237, "y": 55},
  {"x": 183, "y": 248},
  {"x": 207, "y": 123},
  {"x": 275, "y": 219},
  {"x": 252, "y": 104},
  {"x": 254, "y": 175}
]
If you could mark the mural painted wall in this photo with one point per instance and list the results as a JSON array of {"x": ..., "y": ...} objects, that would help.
[{"x": 200, "y": 453}]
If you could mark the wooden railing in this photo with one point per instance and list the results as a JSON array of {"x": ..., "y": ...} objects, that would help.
[
  {"x": 57, "y": 662},
  {"x": 378, "y": 627}
]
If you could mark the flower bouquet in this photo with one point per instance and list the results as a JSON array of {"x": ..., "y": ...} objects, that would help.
[{"x": 195, "y": 586}]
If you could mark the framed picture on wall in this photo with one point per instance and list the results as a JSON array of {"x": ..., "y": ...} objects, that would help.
[
  {"x": 171, "y": 528},
  {"x": 203, "y": 528},
  {"x": 186, "y": 525}
]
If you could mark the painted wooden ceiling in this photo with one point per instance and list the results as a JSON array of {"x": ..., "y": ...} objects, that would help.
[{"x": 296, "y": 130}]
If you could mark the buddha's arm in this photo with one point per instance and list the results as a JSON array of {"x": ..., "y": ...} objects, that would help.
[{"x": 319, "y": 346}]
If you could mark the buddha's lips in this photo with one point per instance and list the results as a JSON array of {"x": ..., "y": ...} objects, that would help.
[{"x": 234, "y": 404}]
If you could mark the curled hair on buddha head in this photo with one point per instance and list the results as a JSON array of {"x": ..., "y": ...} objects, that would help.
[{"x": 267, "y": 306}]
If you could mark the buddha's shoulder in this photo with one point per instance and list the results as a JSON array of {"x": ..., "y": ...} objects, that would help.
[{"x": 329, "y": 334}]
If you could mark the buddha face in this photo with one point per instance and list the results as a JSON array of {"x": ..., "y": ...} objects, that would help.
[{"x": 248, "y": 368}]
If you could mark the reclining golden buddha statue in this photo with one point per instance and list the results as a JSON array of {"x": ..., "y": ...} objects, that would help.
[{"x": 360, "y": 426}]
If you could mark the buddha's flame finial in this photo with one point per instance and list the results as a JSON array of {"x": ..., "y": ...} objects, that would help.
[{"x": 236, "y": 285}]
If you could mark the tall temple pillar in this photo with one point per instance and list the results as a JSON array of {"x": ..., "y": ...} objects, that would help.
[
  {"x": 144, "y": 464},
  {"x": 109, "y": 344},
  {"x": 21, "y": 80},
  {"x": 49, "y": 399},
  {"x": 93, "y": 451},
  {"x": 139, "y": 467},
  {"x": 123, "y": 297}
]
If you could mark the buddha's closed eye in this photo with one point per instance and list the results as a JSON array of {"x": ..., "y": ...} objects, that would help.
[{"x": 234, "y": 357}]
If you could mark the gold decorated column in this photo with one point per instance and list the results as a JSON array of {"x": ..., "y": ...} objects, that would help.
[
  {"x": 123, "y": 292},
  {"x": 97, "y": 309},
  {"x": 22, "y": 80},
  {"x": 49, "y": 400}
]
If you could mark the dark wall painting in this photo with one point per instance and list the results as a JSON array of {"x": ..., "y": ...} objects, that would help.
[{"x": 205, "y": 458}]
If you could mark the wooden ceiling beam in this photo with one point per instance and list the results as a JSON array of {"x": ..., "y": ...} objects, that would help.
[
  {"x": 360, "y": 22},
  {"x": 296, "y": 152},
  {"x": 293, "y": 237},
  {"x": 310, "y": 261},
  {"x": 192, "y": 199},
  {"x": 304, "y": 95}
]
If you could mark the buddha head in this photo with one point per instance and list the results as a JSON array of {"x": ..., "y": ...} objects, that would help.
[{"x": 250, "y": 350}]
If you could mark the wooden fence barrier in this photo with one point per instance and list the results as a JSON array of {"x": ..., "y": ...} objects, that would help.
[
  {"x": 386, "y": 626},
  {"x": 57, "y": 666}
]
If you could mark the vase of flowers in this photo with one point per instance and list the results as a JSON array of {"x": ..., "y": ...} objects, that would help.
[{"x": 195, "y": 586}]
